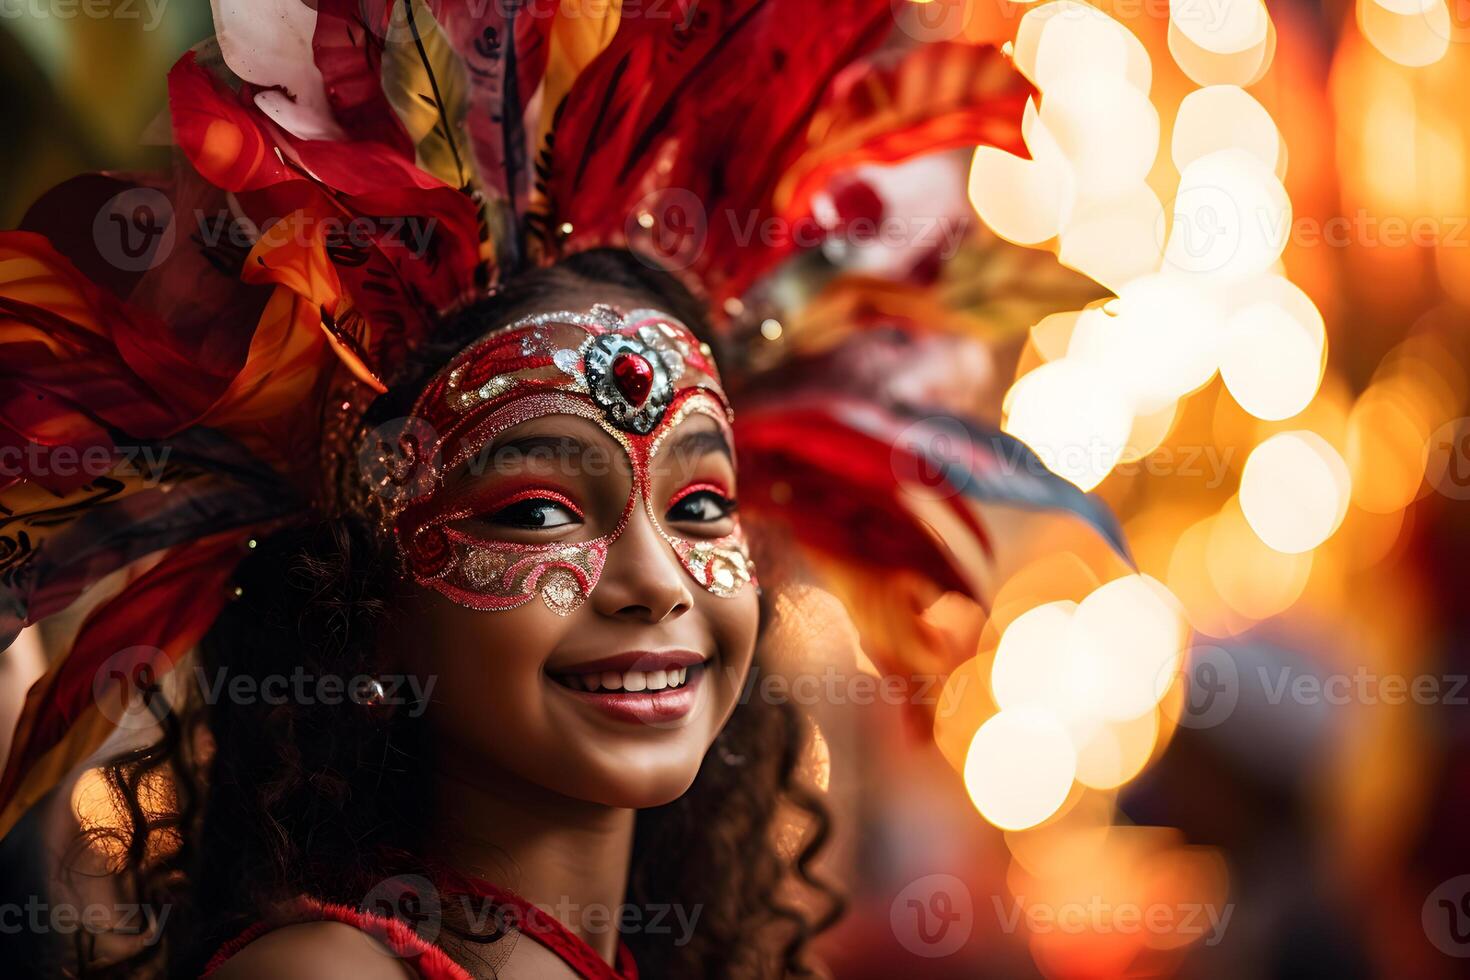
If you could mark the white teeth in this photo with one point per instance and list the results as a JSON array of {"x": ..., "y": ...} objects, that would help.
[{"x": 632, "y": 680}]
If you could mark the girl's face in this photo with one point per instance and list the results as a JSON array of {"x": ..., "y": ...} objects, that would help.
[{"x": 610, "y": 694}]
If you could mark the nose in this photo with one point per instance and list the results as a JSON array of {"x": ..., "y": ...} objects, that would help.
[{"x": 642, "y": 580}]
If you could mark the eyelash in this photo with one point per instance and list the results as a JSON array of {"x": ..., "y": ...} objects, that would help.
[
  {"x": 503, "y": 503},
  {"x": 715, "y": 490}
]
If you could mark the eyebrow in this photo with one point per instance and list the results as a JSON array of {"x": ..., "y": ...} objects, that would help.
[
  {"x": 699, "y": 442},
  {"x": 491, "y": 455},
  {"x": 565, "y": 444},
  {"x": 702, "y": 441}
]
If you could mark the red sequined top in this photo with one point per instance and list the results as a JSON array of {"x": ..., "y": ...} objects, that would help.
[{"x": 428, "y": 960}]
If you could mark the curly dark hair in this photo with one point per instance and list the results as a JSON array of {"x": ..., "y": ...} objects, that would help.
[{"x": 269, "y": 801}]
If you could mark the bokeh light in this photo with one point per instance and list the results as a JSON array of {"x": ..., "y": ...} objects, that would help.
[
  {"x": 1020, "y": 767},
  {"x": 1071, "y": 413},
  {"x": 1130, "y": 631},
  {"x": 1294, "y": 491}
]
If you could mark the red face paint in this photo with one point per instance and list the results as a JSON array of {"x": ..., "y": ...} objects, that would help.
[{"x": 636, "y": 376}]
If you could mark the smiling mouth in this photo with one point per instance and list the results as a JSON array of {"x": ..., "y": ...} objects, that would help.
[
  {"x": 647, "y": 688},
  {"x": 629, "y": 681}
]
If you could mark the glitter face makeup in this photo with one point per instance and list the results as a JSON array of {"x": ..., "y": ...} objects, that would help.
[{"x": 636, "y": 376}]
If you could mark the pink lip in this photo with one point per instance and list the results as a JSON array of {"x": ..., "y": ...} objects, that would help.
[
  {"x": 644, "y": 707},
  {"x": 634, "y": 660}
]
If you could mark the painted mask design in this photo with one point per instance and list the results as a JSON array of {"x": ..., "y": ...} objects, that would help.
[{"x": 637, "y": 376}]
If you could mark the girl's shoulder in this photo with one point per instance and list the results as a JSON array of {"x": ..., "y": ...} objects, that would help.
[
  {"x": 310, "y": 939},
  {"x": 332, "y": 950},
  {"x": 323, "y": 950}
]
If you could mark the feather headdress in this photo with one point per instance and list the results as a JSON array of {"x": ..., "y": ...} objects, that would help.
[{"x": 174, "y": 348}]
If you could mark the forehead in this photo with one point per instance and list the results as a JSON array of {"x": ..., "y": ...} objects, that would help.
[
  {"x": 636, "y": 372},
  {"x": 578, "y": 448},
  {"x": 629, "y": 361},
  {"x": 697, "y": 428}
]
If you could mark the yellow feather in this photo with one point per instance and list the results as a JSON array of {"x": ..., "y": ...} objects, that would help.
[
  {"x": 424, "y": 80},
  {"x": 583, "y": 28}
]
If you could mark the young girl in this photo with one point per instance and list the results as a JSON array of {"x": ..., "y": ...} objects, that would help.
[
  {"x": 436, "y": 588},
  {"x": 586, "y": 651}
]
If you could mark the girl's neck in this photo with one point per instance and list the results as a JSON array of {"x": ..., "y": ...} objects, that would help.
[{"x": 567, "y": 856}]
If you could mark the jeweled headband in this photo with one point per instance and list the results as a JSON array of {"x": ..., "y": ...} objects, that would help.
[{"x": 636, "y": 375}]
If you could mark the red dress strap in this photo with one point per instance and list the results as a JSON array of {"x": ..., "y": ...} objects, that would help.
[
  {"x": 549, "y": 931},
  {"x": 427, "y": 959}
]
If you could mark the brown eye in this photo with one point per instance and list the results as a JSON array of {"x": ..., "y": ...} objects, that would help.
[
  {"x": 535, "y": 513},
  {"x": 702, "y": 507}
]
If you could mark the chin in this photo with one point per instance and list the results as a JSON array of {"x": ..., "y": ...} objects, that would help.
[{"x": 642, "y": 777}]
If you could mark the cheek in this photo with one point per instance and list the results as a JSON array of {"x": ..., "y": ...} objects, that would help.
[
  {"x": 487, "y": 665},
  {"x": 734, "y": 623}
]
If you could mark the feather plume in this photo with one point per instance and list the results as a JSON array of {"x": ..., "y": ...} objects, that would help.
[
  {"x": 424, "y": 81},
  {"x": 427, "y": 84},
  {"x": 503, "y": 48}
]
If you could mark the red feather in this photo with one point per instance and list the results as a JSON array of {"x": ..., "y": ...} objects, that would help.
[
  {"x": 834, "y": 486},
  {"x": 148, "y": 617},
  {"x": 711, "y": 111},
  {"x": 347, "y": 48}
]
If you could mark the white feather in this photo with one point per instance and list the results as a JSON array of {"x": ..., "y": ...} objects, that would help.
[{"x": 268, "y": 43}]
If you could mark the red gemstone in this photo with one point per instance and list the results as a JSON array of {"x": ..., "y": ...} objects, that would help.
[{"x": 634, "y": 377}]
